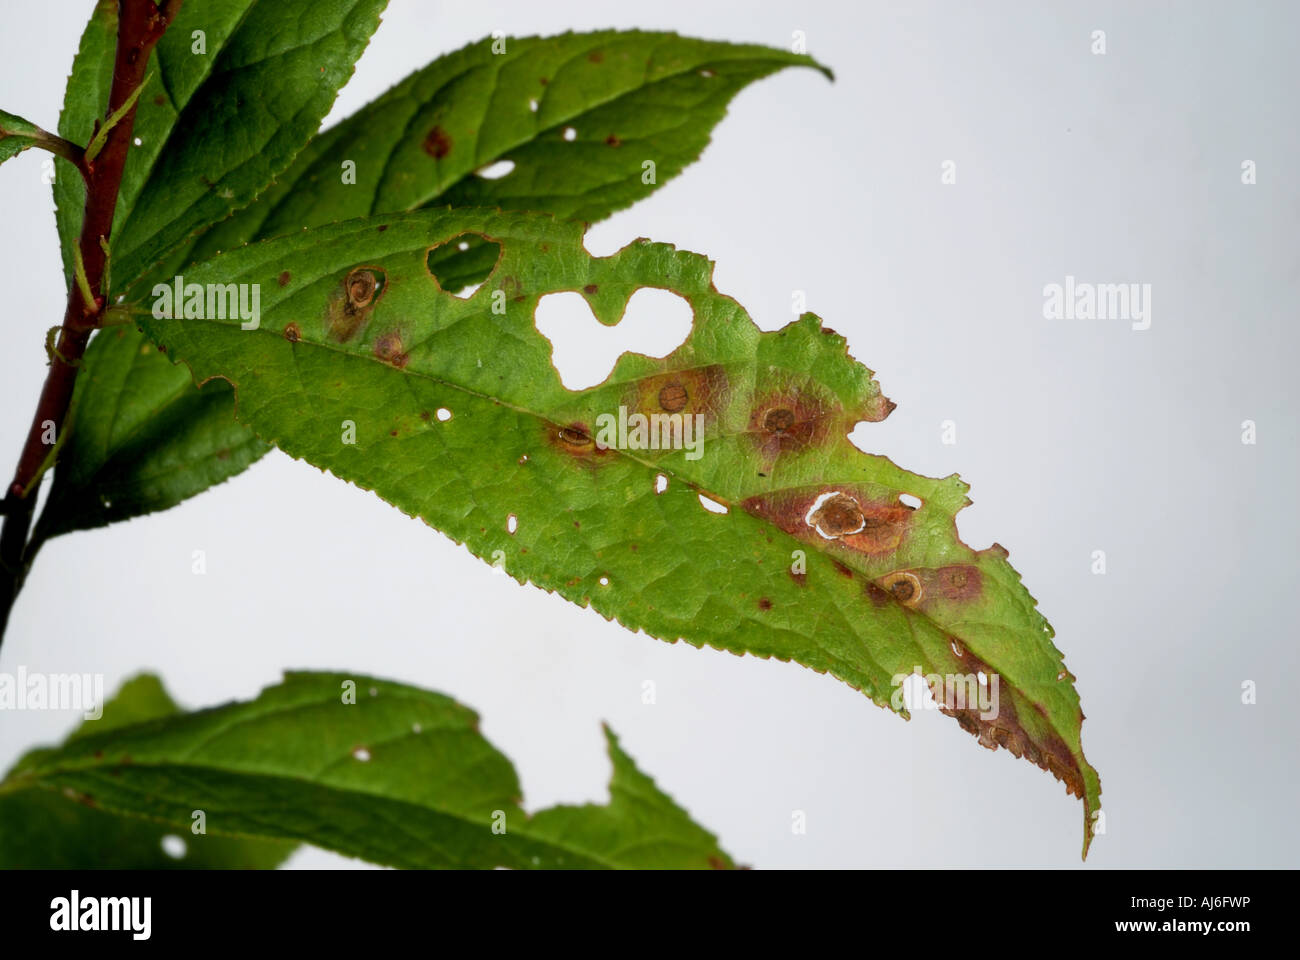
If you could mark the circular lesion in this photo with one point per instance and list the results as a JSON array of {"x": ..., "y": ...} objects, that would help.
[
  {"x": 673, "y": 397},
  {"x": 778, "y": 421},
  {"x": 904, "y": 586},
  {"x": 360, "y": 285},
  {"x": 573, "y": 437}
]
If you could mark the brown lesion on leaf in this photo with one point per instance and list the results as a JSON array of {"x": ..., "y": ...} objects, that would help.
[
  {"x": 789, "y": 420},
  {"x": 904, "y": 586},
  {"x": 349, "y": 308},
  {"x": 574, "y": 440},
  {"x": 700, "y": 390},
  {"x": 437, "y": 143},
  {"x": 388, "y": 348},
  {"x": 1007, "y": 731},
  {"x": 839, "y": 515},
  {"x": 613, "y": 141},
  {"x": 764, "y": 603},
  {"x": 284, "y": 278},
  {"x": 292, "y": 332},
  {"x": 845, "y": 515}
]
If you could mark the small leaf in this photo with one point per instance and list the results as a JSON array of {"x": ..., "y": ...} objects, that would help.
[
  {"x": 17, "y": 135},
  {"x": 451, "y": 410},
  {"x": 393, "y": 774},
  {"x": 144, "y": 439},
  {"x": 46, "y": 829}
]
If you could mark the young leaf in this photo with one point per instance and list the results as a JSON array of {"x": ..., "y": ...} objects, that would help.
[
  {"x": 17, "y": 135},
  {"x": 46, "y": 829},
  {"x": 451, "y": 410},
  {"x": 237, "y": 88},
  {"x": 382, "y": 771},
  {"x": 658, "y": 94},
  {"x": 145, "y": 438}
]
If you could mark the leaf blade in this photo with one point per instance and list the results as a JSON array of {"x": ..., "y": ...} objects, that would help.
[{"x": 888, "y": 588}]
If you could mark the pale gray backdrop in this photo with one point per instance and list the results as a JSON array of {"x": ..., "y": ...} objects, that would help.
[{"x": 1075, "y": 435}]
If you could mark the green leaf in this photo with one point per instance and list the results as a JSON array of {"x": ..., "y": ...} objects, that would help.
[
  {"x": 659, "y": 93},
  {"x": 237, "y": 88},
  {"x": 144, "y": 439},
  {"x": 392, "y": 774},
  {"x": 48, "y": 829},
  {"x": 452, "y": 411},
  {"x": 628, "y": 97},
  {"x": 17, "y": 135}
]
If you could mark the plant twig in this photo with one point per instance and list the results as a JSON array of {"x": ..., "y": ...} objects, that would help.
[{"x": 140, "y": 24}]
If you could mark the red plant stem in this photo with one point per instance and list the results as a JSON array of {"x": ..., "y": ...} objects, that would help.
[{"x": 140, "y": 24}]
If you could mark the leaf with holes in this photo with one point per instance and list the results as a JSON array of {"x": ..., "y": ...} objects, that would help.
[
  {"x": 52, "y": 829},
  {"x": 451, "y": 409},
  {"x": 648, "y": 96},
  {"x": 371, "y": 769}
]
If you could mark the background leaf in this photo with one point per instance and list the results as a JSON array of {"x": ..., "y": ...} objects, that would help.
[
  {"x": 46, "y": 829},
  {"x": 460, "y": 418},
  {"x": 398, "y": 776}
]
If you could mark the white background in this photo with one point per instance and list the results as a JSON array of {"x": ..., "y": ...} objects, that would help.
[{"x": 1075, "y": 436}]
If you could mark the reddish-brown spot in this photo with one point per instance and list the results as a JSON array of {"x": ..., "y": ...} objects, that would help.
[
  {"x": 838, "y": 516},
  {"x": 426, "y": 416},
  {"x": 764, "y": 603},
  {"x": 347, "y": 313},
  {"x": 437, "y": 143},
  {"x": 1006, "y": 730},
  {"x": 223, "y": 453},
  {"x": 673, "y": 397},
  {"x": 595, "y": 56},
  {"x": 960, "y": 582},
  {"x": 904, "y": 586},
  {"x": 388, "y": 346},
  {"x": 589, "y": 289},
  {"x": 383, "y": 227},
  {"x": 292, "y": 333},
  {"x": 700, "y": 390},
  {"x": 842, "y": 569},
  {"x": 284, "y": 279},
  {"x": 799, "y": 578},
  {"x": 159, "y": 100},
  {"x": 543, "y": 81},
  {"x": 613, "y": 141},
  {"x": 790, "y": 419},
  {"x": 360, "y": 286},
  {"x": 574, "y": 440},
  {"x": 877, "y": 596}
]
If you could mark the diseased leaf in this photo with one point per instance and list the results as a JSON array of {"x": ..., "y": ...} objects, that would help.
[
  {"x": 46, "y": 829},
  {"x": 145, "y": 439},
  {"x": 222, "y": 113},
  {"x": 392, "y": 774},
  {"x": 658, "y": 95},
  {"x": 452, "y": 411}
]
